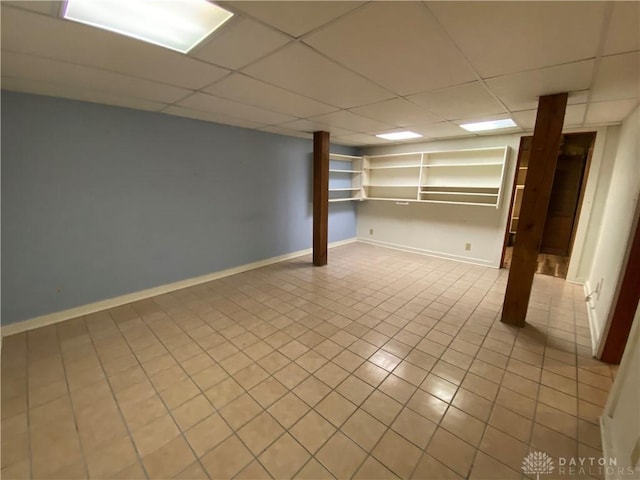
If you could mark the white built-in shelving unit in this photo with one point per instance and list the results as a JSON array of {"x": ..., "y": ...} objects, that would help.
[
  {"x": 463, "y": 177},
  {"x": 345, "y": 178}
]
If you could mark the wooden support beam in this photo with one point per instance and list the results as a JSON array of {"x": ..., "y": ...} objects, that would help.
[
  {"x": 533, "y": 211},
  {"x": 320, "y": 197}
]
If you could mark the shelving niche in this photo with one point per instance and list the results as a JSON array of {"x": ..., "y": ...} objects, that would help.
[{"x": 464, "y": 177}]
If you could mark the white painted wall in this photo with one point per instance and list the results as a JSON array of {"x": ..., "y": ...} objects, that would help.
[
  {"x": 620, "y": 421},
  {"x": 616, "y": 228}
]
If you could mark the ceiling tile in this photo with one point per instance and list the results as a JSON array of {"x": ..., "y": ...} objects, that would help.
[
  {"x": 520, "y": 91},
  {"x": 398, "y": 112},
  {"x": 624, "y": 28},
  {"x": 470, "y": 100},
  {"x": 76, "y": 93},
  {"x": 618, "y": 77},
  {"x": 210, "y": 117},
  {"x": 316, "y": 77},
  {"x": 396, "y": 44},
  {"x": 248, "y": 90},
  {"x": 27, "y": 32},
  {"x": 294, "y": 18},
  {"x": 351, "y": 121},
  {"x": 209, "y": 103},
  {"x": 240, "y": 43},
  {"x": 360, "y": 139},
  {"x": 573, "y": 117},
  {"x": 507, "y": 37},
  {"x": 307, "y": 126},
  {"x": 286, "y": 131},
  {"x": 29, "y": 67},
  {"x": 609, "y": 112},
  {"x": 440, "y": 130}
]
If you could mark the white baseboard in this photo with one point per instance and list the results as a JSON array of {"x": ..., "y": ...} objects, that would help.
[
  {"x": 430, "y": 253},
  {"x": 591, "y": 315},
  {"x": 608, "y": 450},
  {"x": 51, "y": 318}
]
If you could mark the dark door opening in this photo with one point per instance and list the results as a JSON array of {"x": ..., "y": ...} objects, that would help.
[{"x": 561, "y": 222}]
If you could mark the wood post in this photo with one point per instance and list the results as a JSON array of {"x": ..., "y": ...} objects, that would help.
[
  {"x": 533, "y": 211},
  {"x": 320, "y": 197}
]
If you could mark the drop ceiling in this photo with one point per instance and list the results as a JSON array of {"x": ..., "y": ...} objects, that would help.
[{"x": 355, "y": 69}]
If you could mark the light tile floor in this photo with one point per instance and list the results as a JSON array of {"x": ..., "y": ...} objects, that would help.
[{"x": 383, "y": 364}]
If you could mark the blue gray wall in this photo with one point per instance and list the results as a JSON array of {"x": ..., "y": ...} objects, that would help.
[{"x": 101, "y": 201}]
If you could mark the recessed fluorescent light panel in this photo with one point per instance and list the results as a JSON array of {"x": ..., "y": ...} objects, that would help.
[
  {"x": 176, "y": 24},
  {"x": 491, "y": 125},
  {"x": 399, "y": 135}
]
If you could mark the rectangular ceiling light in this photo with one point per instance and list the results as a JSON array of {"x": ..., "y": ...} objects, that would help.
[
  {"x": 491, "y": 125},
  {"x": 399, "y": 135},
  {"x": 178, "y": 25}
]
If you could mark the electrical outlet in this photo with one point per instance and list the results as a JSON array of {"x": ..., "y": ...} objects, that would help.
[
  {"x": 467, "y": 246},
  {"x": 371, "y": 231}
]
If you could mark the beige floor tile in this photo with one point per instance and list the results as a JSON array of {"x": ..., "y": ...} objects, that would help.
[
  {"x": 427, "y": 405},
  {"x": 193, "y": 472},
  {"x": 284, "y": 458},
  {"x": 312, "y": 431},
  {"x": 414, "y": 427},
  {"x": 268, "y": 392},
  {"x": 54, "y": 448},
  {"x": 354, "y": 389},
  {"x": 452, "y": 452},
  {"x": 370, "y": 373},
  {"x": 260, "y": 432},
  {"x": 503, "y": 447},
  {"x": 557, "y": 420},
  {"x": 191, "y": 412},
  {"x": 431, "y": 469},
  {"x": 511, "y": 423},
  {"x": 137, "y": 414},
  {"x": 397, "y": 388},
  {"x": 253, "y": 471},
  {"x": 227, "y": 459},
  {"x": 251, "y": 376},
  {"x": 240, "y": 411},
  {"x": 179, "y": 393},
  {"x": 313, "y": 470},
  {"x": 363, "y": 429},
  {"x": 488, "y": 468},
  {"x": 167, "y": 378},
  {"x": 154, "y": 435},
  {"x": 559, "y": 400},
  {"x": 397, "y": 454},
  {"x": 111, "y": 458},
  {"x": 552, "y": 442},
  {"x": 170, "y": 459},
  {"x": 329, "y": 350},
  {"x": 17, "y": 471},
  {"x": 335, "y": 408},
  {"x": 515, "y": 402},
  {"x": 224, "y": 392},
  {"x": 411, "y": 373},
  {"x": 341, "y": 456},
  {"x": 99, "y": 423},
  {"x": 331, "y": 374},
  {"x": 291, "y": 375},
  {"x": 288, "y": 410},
  {"x": 207, "y": 434},
  {"x": 463, "y": 426},
  {"x": 311, "y": 391},
  {"x": 372, "y": 468},
  {"x": 439, "y": 387},
  {"x": 348, "y": 360},
  {"x": 449, "y": 372},
  {"x": 15, "y": 448},
  {"x": 382, "y": 407}
]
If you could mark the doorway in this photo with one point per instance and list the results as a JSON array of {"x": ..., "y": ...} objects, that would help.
[{"x": 574, "y": 156}]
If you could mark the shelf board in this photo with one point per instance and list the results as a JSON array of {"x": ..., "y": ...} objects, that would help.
[
  {"x": 387, "y": 167},
  {"x": 462, "y": 203},
  {"x": 476, "y": 164},
  {"x": 392, "y": 186},
  {"x": 468, "y": 187},
  {"x": 393, "y": 199},
  {"x": 344, "y": 189},
  {"x": 350, "y": 199},
  {"x": 344, "y": 157},
  {"x": 334, "y": 170},
  {"x": 475, "y": 194}
]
